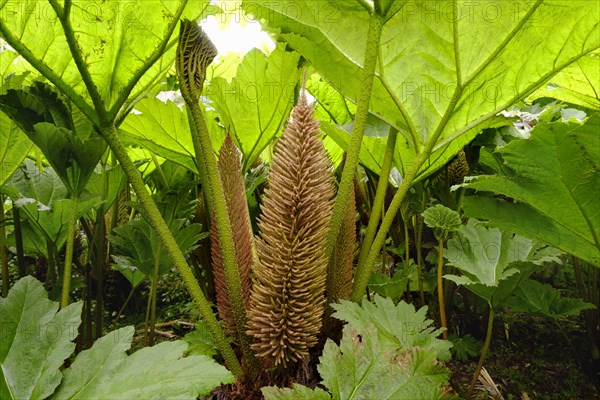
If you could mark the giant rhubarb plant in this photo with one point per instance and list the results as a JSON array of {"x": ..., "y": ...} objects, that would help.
[{"x": 288, "y": 295}]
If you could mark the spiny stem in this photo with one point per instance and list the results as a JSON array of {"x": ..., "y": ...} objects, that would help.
[
  {"x": 360, "y": 121},
  {"x": 364, "y": 270},
  {"x": 168, "y": 242},
  {"x": 3, "y": 255},
  {"x": 440, "y": 289},
  {"x": 379, "y": 200},
  {"x": 71, "y": 222},
  {"x": 194, "y": 53},
  {"x": 484, "y": 350}
]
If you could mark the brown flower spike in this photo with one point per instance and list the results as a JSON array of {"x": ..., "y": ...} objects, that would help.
[
  {"x": 235, "y": 196},
  {"x": 288, "y": 294}
]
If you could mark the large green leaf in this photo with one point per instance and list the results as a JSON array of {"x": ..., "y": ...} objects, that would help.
[
  {"x": 258, "y": 100},
  {"x": 392, "y": 321},
  {"x": 456, "y": 66},
  {"x": 14, "y": 147},
  {"x": 62, "y": 133},
  {"x": 34, "y": 341},
  {"x": 387, "y": 352},
  {"x": 116, "y": 39},
  {"x": 578, "y": 84},
  {"x": 107, "y": 372},
  {"x": 539, "y": 298},
  {"x": 161, "y": 128},
  {"x": 554, "y": 178},
  {"x": 493, "y": 262}
]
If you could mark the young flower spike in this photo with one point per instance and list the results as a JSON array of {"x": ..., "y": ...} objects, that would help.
[{"x": 288, "y": 294}]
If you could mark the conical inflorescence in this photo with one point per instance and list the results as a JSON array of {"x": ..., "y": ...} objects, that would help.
[
  {"x": 235, "y": 196},
  {"x": 288, "y": 293}
]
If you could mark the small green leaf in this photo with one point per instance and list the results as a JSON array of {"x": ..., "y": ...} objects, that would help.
[
  {"x": 136, "y": 246},
  {"x": 200, "y": 341},
  {"x": 442, "y": 220},
  {"x": 465, "y": 347},
  {"x": 393, "y": 287},
  {"x": 493, "y": 262}
]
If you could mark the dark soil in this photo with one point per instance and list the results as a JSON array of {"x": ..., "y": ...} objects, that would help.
[{"x": 531, "y": 358}]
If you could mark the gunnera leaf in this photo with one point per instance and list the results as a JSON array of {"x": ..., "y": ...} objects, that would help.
[
  {"x": 230, "y": 171},
  {"x": 288, "y": 294},
  {"x": 106, "y": 371},
  {"x": 35, "y": 339}
]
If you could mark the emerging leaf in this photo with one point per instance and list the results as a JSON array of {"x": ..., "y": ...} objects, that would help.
[
  {"x": 235, "y": 196},
  {"x": 287, "y": 300},
  {"x": 442, "y": 220},
  {"x": 194, "y": 53}
]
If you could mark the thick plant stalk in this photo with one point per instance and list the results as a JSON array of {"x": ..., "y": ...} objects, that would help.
[
  {"x": 71, "y": 223},
  {"x": 339, "y": 283},
  {"x": 440, "y": 290},
  {"x": 288, "y": 294},
  {"x": 3, "y": 255},
  {"x": 230, "y": 171},
  {"x": 194, "y": 53},
  {"x": 379, "y": 200},
  {"x": 484, "y": 350},
  {"x": 418, "y": 228},
  {"x": 363, "y": 270},
  {"x": 360, "y": 120},
  {"x": 168, "y": 243},
  {"x": 151, "y": 321}
]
